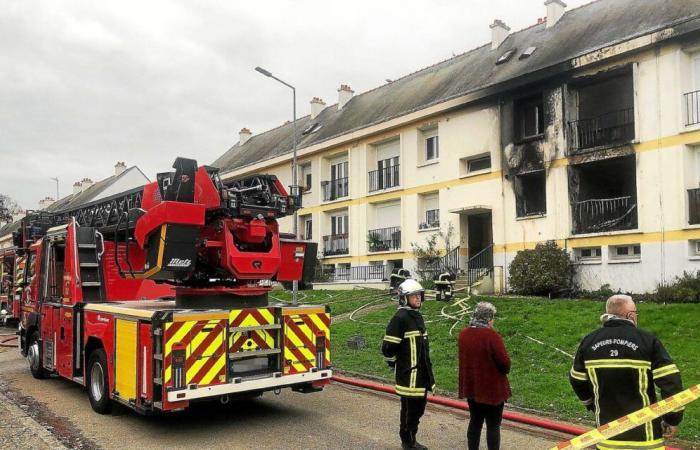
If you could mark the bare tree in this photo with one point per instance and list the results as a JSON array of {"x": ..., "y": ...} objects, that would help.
[{"x": 8, "y": 208}]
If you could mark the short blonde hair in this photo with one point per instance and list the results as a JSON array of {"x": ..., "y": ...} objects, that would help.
[{"x": 615, "y": 304}]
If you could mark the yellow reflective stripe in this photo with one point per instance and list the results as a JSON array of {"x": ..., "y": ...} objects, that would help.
[
  {"x": 414, "y": 361},
  {"x": 618, "y": 363},
  {"x": 587, "y": 402},
  {"x": 411, "y": 333},
  {"x": 643, "y": 380},
  {"x": 636, "y": 445},
  {"x": 581, "y": 376},
  {"x": 596, "y": 392},
  {"x": 409, "y": 392},
  {"x": 393, "y": 339},
  {"x": 664, "y": 371}
]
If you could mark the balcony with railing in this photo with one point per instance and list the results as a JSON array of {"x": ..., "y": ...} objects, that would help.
[
  {"x": 335, "y": 189},
  {"x": 607, "y": 130},
  {"x": 694, "y": 206},
  {"x": 606, "y": 214},
  {"x": 384, "y": 239},
  {"x": 385, "y": 178},
  {"x": 691, "y": 104},
  {"x": 375, "y": 272},
  {"x": 335, "y": 244},
  {"x": 432, "y": 220}
]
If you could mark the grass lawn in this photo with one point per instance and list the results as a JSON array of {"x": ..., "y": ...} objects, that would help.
[
  {"x": 539, "y": 376},
  {"x": 340, "y": 302}
]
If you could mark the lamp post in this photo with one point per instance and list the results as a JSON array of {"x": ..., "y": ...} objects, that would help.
[
  {"x": 56, "y": 180},
  {"x": 295, "y": 283}
]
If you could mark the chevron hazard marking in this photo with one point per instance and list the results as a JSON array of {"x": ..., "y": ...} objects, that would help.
[{"x": 632, "y": 420}]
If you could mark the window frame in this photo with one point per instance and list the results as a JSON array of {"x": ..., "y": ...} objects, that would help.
[
  {"x": 520, "y": 107},
  {"x": 428, "y": 136},
  {"x": 590, "y": 258},
  {"x": 632, "y": 253}
]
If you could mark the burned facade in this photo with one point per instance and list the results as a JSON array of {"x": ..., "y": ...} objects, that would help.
[
  {"x": 582, "y": 129},
  {"x": 602, "y": 164},
  {"x": 530, "y": 131}
]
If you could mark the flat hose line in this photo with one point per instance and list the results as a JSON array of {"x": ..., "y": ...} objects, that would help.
[
  {"x": 9, "y": 341},
  {"x": 444, "y": 401}
]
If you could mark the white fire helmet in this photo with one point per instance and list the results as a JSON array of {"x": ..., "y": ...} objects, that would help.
[{"x": 407, "y": 288}]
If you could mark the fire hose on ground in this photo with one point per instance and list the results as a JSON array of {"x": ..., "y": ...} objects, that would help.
[
  {"x": 8, "y": 341},
  {"x": 451, "y": 403}
]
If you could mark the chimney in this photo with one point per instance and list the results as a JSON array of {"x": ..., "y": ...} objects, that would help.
[
  {"x": 499, "y": 33},
  {"x": 317, "y": 106},
  {"x": 86, "y": 184},
  {"x": 243, "y": 136},
  {"x": 555, "y": 9},
  {"x": 344, "y": 95},
  {"x": 119, "y": 168},
  {"x": 45, "y": 202},
  {"x": 77, "y": 188}
]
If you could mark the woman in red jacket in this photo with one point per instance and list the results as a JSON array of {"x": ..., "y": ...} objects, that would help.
[{"x": 483, "y": 366}]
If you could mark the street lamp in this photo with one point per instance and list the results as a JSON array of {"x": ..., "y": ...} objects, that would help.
[
  {"x": 295, "y": 283},
  {"x": 56, "y": 180}
]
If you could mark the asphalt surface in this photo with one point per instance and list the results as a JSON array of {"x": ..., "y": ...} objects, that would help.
[{"x": 340, "y": 417}]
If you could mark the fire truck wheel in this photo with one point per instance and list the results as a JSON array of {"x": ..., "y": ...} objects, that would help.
[
  {"x": 97, "y": 383},
  {"x": 34, "y": 357}
]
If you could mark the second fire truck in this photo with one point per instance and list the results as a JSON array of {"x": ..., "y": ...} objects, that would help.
[{"x": 158, "y": 297}]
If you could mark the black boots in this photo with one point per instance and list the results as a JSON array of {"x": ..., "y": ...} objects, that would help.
[
  {"x": 408, "y": 441},
  {"x": 417, "y": 445}
]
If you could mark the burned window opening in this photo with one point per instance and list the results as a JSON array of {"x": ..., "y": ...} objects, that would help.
[
  {"x": 603, "y": 195},
  {"x": 604, "y": 113},
  {"x": 529, "y": 118},
  {"x": 530, "y": 194}
]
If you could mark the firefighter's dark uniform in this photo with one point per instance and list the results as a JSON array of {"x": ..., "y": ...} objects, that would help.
[
  {"x": 614, "y": 373},
  {"x": 406, "y": 346}
]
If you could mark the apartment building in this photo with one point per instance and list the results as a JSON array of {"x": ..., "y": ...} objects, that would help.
[{"x": 583, "y": 129}]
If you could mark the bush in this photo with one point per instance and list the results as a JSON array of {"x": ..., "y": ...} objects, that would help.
[
  {"x": 684, "y": 289},
  {"x": 545, "y": 270}
]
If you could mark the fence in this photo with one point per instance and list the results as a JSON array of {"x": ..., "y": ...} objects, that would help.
[
  {"x": 385, "y": 178},
  {"x": 334, "y": 189},
  {"x": 384, "y": 239},
  {"x": 592, "y": 216},
  {"x": 691, "y": 101},
  {"x": 376, "y": 272},
  {"x": 616, "y": 127},
  {"x": 335, "y": 244}
]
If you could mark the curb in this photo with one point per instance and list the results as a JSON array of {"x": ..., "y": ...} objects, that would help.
[{"x": 31, "y": 425}]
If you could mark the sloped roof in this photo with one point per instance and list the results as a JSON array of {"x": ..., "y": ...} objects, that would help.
[
  {"x": 579, "y": 31},
  {"x": 73, "y": 201}
]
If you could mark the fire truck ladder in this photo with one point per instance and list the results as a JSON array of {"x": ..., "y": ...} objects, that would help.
[{"x": 88, "y": 258}]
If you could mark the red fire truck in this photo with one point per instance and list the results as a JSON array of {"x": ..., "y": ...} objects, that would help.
[{"x": 157, "y": 297}]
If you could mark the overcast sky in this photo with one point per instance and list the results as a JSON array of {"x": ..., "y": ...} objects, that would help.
[{"x": 84, "y": 84}]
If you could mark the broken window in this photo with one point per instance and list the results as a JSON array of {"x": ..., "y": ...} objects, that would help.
[
  {"x": 529, "y": 117},
  {"x": 605, "y": 112},
  {"x": 604, "y": 195},
  {"x": 531, "y": 194}
]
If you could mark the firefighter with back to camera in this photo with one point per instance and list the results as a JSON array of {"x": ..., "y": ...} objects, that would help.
[
  {"x": 406, "y": 350},
  {"x": 614, "y": 373}
]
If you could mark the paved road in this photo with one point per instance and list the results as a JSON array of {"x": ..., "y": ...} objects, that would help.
[{"x": 337, "y": 418}]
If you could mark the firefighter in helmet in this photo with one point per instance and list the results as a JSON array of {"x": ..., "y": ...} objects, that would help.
[{"x": 405, "y": 348}]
